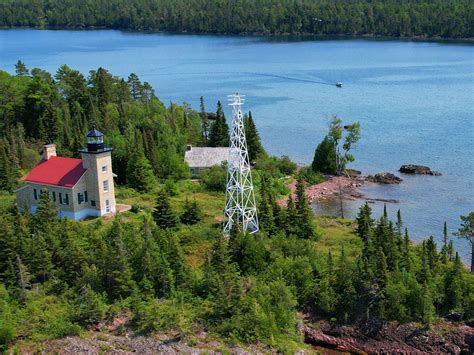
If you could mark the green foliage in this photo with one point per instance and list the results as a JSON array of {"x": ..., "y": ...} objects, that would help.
[
  {"x": 267, "y": 314},
  {"x": 219, "y": 133},
  {"x": 140, "y": 173},
  {"x": 275, "y": 166},
  {"x": 214, "y": 178},
  {"x": 163, "y": 213},
  {"x": 324, "y": 160},
  {"x": 361, "y": 17},
  {"x": 308, "y": 175},
  {"x": 254, "y": 145},
  {"x": 192, "y": 213},
  {"x": 177, "y": 314}
]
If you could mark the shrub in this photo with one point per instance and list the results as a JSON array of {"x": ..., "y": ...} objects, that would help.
[
  {"x": 214, "y": 179},
  {"x": 309, "y": 176}
]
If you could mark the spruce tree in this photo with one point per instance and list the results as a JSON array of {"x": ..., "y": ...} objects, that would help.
[
  {"x": 252, "y": 137},
  {"x": 304, "y": 213},
  {"x": 453, "y": 287},
  {"x": 140, "y": 175},
  {"x": 204, "y": 121},
  {"x": 219, "y": 132},
  {"x": 444, "y": 249},
  {"x": 324, "y": 160},
  {"x": 365, "y": 224},
  {"x": 265, "y": 210},
  {"x": 118, "y": 276},
  {"x": 192, "y": 213},
  {"x": 163, "y": 213}
]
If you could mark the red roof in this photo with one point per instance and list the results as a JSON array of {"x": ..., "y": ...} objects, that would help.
[{"x": 58, "y": 171}]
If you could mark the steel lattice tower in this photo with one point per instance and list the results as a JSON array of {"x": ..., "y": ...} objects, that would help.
[{"x": 240, "y": 204}]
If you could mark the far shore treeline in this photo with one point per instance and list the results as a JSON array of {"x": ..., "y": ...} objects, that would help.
[{"x": 405, "y": 18}]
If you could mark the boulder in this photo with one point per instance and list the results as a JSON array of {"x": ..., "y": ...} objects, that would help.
[
  {"x": 418, "y": 169},
  {"x": 385, "y": 178}
]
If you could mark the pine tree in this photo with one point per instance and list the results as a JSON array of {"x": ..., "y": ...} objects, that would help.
[
  {"x": 20, "y": 68},
  {"x": 192, "y": 213},
  {"x": 219, "y": 132},
  {"x": 163, "y": 213},
  {"x": 252, "y": 137}
]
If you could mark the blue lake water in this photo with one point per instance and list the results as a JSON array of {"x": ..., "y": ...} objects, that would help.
[{"x": 415, "y": 100}]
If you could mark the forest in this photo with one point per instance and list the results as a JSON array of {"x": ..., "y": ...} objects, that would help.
[
  {"x": 165, "y": 266},
  {"x": 394, "y": 18}
]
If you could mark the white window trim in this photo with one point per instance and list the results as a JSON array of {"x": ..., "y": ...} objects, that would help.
[
  {"x": 105, "y": 182},
  {"x": 106, "y": 169}
]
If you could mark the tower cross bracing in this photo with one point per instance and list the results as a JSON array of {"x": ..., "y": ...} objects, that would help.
[{"x": 240, "y": 204}]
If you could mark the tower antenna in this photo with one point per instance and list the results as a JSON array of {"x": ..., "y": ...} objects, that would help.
[{"x": 240, "y": 207}]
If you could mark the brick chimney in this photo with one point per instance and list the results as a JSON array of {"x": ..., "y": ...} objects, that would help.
[{"x": 49, "y": 150}]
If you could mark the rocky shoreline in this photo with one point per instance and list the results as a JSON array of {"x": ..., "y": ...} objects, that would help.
[
  {"x": 380, "y": 337},
  {"x": 348, "y": 185}
]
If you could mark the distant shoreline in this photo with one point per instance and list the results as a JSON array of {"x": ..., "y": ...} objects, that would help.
[{"x": 306, "y": 36}]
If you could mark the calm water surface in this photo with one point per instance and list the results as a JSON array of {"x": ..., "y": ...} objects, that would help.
[{"x": 414, "y": 100}]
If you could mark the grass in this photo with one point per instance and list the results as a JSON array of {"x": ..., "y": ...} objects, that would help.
[{"x": 197, "y": 240}]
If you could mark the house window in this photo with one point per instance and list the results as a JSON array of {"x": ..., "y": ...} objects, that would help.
[
  {"x": 107, "y": 206},
  {"x": 104, "y": 168},
  {"x": 106, "y": 185},
  {"x": 35, "y": 193},
  {"x": 80, "y": 198},
  {"x": 63, "y": 200},
  {"x": 93, "y": 203},
  {"x": 85, "y": 196}
]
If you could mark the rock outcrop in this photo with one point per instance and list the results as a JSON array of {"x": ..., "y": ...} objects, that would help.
[
  {"x": 379, "y": 337},
  {"x": 385, "y": 178},
  {"x": 418, "y": 169}
]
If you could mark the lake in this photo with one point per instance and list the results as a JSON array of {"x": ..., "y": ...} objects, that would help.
[{"x": 414, "y": 100}]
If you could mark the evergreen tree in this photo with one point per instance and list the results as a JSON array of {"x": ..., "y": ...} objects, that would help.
[
  {"x": 118, "y": 276},
  {"x": 265, "y": 210},
  {"x": 466, "y": 231},
  {"x": 204, "y": 121},
  {"x": 20, "y": 68},
  {"x": 163, "y": 213},
  {"x": 304, "y": 213},
  {"x": 192, "y": 213},
  {"x": 8, "y": 172},
  {"x": 453, "y": 287},
  {"x": 254, "y": 145},
  {"x": 444, "y": 249},
  {"x": 324, "y": 160},
  {"x": 365, "y": 224},
  {"x": 291, "y": 218},
  {"x": 219, "y": 132},
  {"x": 140, "y": 174},
  {"x": 406, "y": 261}
]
